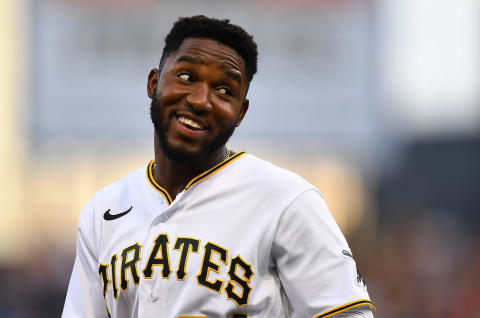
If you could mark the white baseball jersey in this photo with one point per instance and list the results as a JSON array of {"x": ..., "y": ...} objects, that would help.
[{"x": 244, "y": 239}]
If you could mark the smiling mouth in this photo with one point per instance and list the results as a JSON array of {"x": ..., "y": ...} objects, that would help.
[{"x": 190, "y": 123}]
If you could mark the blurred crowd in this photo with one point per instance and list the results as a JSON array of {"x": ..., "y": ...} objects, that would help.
[{"x": 424, "y": 265}]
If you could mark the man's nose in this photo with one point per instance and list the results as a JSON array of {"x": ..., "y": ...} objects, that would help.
[{"x": 199, "y": 97}]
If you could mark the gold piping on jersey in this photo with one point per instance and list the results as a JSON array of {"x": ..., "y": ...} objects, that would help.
[
  {"x": 345, "y": 307},
  {"x": 213, "y": 170},
  {"x": 195, "y": 180},
  {"x": 155, "y": 184}
]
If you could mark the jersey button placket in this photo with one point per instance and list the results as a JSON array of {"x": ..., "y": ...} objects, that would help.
[
  {"x": 163, "y": 218},
  {"x": 156, "y": 288}
]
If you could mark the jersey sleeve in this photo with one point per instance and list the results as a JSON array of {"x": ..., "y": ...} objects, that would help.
[
  {"x": 314, "y": 263},
  {"x": 85, "y": 295}
]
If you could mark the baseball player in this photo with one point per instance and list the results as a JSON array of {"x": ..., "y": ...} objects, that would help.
[{"x": 202, "y": 230}]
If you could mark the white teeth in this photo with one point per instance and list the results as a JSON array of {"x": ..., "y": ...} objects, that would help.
[{"x": 190, "y": 122}]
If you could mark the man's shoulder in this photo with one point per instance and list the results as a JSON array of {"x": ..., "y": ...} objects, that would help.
[
  {"x": 116, "y": 195},
  {"x": 125, "y": 185},
  {"x": 118, "y": 192},
  {"x": 272, "y": 176}
]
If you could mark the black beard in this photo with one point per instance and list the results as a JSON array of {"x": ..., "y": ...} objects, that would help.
[{"x": 179, "y": 154}]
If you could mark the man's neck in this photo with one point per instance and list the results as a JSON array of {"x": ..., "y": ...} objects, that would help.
[{"x": 174, "y": 176}]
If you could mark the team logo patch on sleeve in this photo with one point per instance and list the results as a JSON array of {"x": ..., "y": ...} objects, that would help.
[
  {"x": 348, "y": 254},
  {"x": 359, "y": 278}
]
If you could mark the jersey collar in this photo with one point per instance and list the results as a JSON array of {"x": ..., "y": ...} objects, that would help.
[{"x": 195, "y": 180}]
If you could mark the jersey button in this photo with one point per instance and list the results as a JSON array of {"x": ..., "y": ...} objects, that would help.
[{"x": 153, "y": 297}]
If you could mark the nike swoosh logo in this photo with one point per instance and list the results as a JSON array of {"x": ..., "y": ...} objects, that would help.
[{"x": 108, "y": 217}]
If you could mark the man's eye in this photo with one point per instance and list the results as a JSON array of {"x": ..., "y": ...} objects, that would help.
[
  {"x": 224, "y": 91},
  {"x": 185, "y": 76}
]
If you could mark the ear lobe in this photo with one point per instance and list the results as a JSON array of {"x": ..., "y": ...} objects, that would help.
[
  {"x": 243, "y": 111},
  {"x": 152, "y": 82}
]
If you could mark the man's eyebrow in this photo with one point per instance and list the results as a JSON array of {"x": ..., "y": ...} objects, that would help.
[
  {"x": 189, "y": 59},
  {"x": 235, "y": 76}
]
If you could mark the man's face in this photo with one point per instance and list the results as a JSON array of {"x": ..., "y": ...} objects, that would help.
[{"x": 198, "y": 98}]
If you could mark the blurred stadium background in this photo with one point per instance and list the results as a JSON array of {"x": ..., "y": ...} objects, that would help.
[{"x": 376, "y": 102}]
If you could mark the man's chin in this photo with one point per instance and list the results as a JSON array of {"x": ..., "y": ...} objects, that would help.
[{"x": 180, "y": 155}]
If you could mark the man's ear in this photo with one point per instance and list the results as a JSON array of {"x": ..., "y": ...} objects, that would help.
[
  {"x": 243, "y": 111},
  {"x": 152, "y": 82}
]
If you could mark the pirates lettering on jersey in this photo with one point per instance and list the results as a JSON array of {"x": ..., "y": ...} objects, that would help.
[
  {"x": 161, "y": 243},
  {"x": 242, "y": 298},
  {"x": 185, "y": 245},
  {"x": 113, "y": 262},
  {"x": 240, "y": 272},
  {"x": 208, "y": 264},
  {"x": 130, "y": 263},
  {"x": 103, "y": 272}
]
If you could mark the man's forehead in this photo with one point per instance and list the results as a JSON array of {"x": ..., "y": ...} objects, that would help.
[{"x": 202, "y": 50}]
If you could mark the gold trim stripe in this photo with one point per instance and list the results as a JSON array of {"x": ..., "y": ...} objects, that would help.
[
  {"x": 345, "y": 307},
  {"x": 156, "y": 185},
  {"x": 195, "y": 180},
  {"x": 214, "y": 170}
]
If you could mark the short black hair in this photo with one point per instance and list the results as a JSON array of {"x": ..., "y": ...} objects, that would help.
[{"x": 223, "y": 31}]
